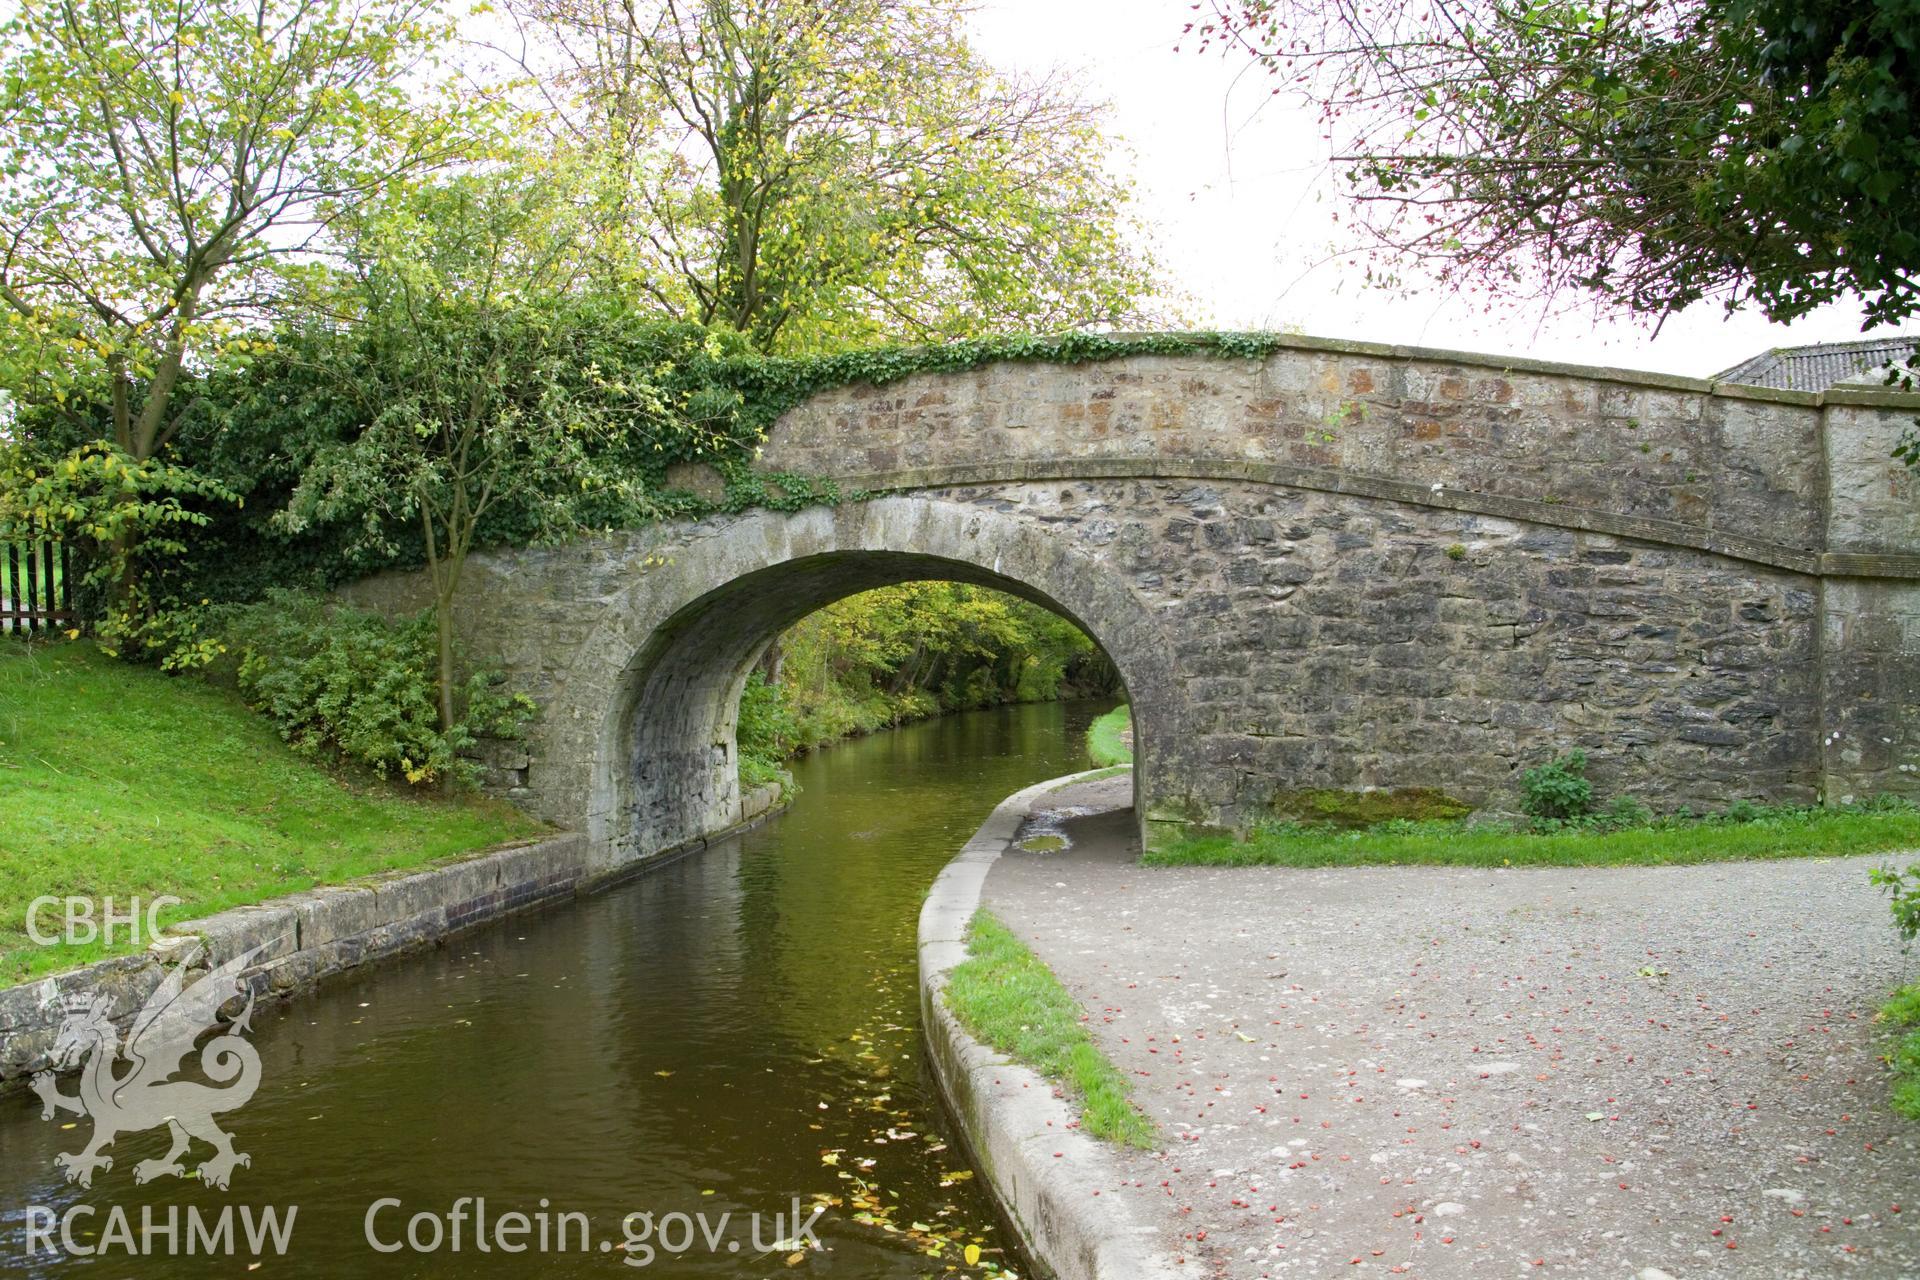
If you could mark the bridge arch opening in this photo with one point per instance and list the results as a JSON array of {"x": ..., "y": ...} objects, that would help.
[
  {"x": 667, "y": 761},
  {"x": 681, "y": 749}
]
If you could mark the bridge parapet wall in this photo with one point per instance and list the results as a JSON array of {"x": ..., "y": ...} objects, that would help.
[{"x": 1779, "y": 476}]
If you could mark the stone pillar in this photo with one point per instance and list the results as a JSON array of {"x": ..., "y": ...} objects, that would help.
[{"x": 1870, "y": 600}]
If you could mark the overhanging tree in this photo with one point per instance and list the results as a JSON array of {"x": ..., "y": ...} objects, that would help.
[
  {"x": 1654, "y": 153},
  {"x": 165, "y": 165}
]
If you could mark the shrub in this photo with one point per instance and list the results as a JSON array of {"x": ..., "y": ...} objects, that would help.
[
  {"x": 1903, "y": 1010},
  {"x": 1903, "y": 891},
  {"x": 173, "y": 634},
  {"x": 129, "y": 523},
  {"x": 1557, "y": 790},
  {"x": 338, "y": 679}
]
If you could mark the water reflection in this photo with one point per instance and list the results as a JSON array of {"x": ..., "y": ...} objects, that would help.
[{"x": 720, "y": 1037}]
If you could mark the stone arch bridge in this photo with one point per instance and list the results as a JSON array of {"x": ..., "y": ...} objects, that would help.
[{"x": 1341, "y": 566}]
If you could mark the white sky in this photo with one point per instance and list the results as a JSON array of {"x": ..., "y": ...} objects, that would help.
[{"x": 1234, "y": 184}]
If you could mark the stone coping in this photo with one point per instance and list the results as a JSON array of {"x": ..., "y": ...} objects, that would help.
[
  {"x": 1846, "y": 393},
  {"x": 1045, "y": 1174}
]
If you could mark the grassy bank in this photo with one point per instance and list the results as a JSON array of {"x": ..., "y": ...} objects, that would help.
[
  {"x": 1773, "y": 833},
  {"x": 1007, "y": 998},
  {"x": 117, "y": 780},
  {"x": 1107, "y": 742}
]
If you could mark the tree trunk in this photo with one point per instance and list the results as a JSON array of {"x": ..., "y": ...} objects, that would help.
[
  {"x": 443, "y": 617},
  {"x": 147, "y": 430},
  {"x": 904, "y": 677},
  {"x": 771, "y": 661},
  {"x": 120, "y": 590},
  {"x": 445, "y": 575}
]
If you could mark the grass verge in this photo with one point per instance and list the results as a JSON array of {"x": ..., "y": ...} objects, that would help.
[
  {"x": 1775, "y": 833},
  {"x": 1104, "y": 741},
  {"x": 117, "y": 780},
  {"x": 1007, "y": 998},
  {"x": 1903, "y": 1013}
]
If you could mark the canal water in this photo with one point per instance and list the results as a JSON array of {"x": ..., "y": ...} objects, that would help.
[{"x": 708, "y": 1045}]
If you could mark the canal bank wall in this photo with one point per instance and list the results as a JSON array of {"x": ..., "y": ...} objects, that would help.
[
  {"x": 308, "y": 937},
  {"x": 1046, "y": 1175}
]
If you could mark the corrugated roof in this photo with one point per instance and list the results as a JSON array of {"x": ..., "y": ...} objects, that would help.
[{"x": 1818, "y": 367}]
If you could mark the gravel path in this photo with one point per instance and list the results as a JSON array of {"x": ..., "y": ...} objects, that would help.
[{"x": 1637, "y": 1072}]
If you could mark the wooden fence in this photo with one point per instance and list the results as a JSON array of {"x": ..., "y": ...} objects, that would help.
[{"x": 36, "y": 588}]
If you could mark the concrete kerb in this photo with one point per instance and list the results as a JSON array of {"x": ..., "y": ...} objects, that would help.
[{"x": 1046, "y": 1175}]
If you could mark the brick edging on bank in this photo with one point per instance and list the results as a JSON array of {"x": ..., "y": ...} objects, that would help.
[{"x": 1044, "y": 1172}]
